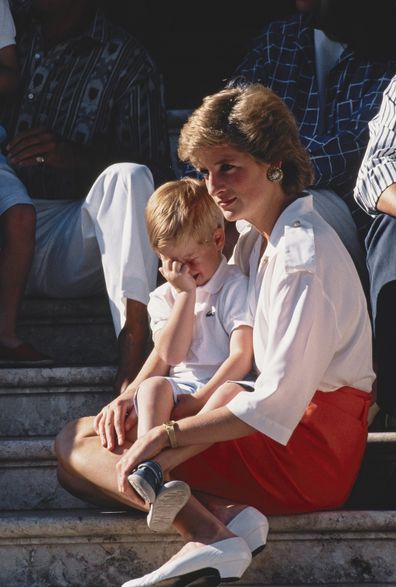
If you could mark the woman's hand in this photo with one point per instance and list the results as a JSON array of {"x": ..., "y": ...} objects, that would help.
[
  {"x": 143, "y": 449},
  {"x": 115, "y": 420}
]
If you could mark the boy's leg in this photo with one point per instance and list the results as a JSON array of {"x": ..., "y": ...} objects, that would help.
[
  {"x": 154, "y": 402},
  {"x": 223, "y": 394}
]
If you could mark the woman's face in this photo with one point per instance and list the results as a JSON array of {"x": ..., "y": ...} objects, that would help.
[{"x": 237, "y": 182}]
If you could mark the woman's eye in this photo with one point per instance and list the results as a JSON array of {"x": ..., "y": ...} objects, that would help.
[{"x": 226, "y": 167}]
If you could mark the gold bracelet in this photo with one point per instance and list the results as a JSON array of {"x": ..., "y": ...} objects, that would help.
[{"x": 170, "y": 430}]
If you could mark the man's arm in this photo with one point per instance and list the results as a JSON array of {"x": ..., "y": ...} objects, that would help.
[
  {"x": 375, "y": 189},
  {"x": 9, "y": 76}
]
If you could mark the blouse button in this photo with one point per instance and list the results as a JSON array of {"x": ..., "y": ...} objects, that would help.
[{"x": 296, "y": 224}]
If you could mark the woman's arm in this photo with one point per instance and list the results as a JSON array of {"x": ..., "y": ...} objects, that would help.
[{"x": 217, "y": 425}]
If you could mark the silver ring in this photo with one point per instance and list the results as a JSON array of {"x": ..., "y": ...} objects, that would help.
[{"x": 40, "y": 159}]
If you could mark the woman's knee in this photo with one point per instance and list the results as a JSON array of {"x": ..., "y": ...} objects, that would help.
[{"x": 68, "y": 439}]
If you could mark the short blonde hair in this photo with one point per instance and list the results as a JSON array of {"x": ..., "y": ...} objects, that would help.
[
  {"x": 179, "y": 209},
  {"x": 254, "y": 120}
]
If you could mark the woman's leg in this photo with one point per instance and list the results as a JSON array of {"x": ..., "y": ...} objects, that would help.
[{"x": 88, "y": 470}]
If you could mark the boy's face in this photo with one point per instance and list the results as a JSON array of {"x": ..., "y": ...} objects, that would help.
[{"x": 202, "y": 260}]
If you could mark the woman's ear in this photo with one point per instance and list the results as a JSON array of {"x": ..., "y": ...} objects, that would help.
[{"x": 219, "y": 238}]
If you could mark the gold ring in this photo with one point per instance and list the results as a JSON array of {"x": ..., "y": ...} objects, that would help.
[{"x": 40, "y": 159}]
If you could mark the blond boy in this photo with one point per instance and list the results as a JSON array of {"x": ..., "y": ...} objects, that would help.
[{"x": 200, "y": 322}]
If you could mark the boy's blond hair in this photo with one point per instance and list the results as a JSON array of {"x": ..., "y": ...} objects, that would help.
[{"x": 179, "y": 209}]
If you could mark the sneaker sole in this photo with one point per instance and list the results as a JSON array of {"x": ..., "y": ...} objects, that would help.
[
  {"x": 171, "y": 498},
  {"x": 142, "y": 487}
]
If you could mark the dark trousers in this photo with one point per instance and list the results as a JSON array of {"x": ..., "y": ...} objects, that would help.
[{"x": 381, "y": 263}]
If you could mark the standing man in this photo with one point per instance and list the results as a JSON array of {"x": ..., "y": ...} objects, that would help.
[{"x": 90, "y": 96}]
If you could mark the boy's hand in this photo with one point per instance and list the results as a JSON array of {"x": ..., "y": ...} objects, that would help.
[
  {"x": 177, "y": 274},
  {"x": 187, "y": 405}
]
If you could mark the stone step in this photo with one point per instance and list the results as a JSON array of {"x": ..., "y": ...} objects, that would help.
[
  {"x": 40, "y": 401},
  {"x": 28, "y": 476},
  {"x": 72, "y": 331},
  {"x": 94, "y": 549}
]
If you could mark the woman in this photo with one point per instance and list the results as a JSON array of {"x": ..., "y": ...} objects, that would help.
[{"x": 293, "y": 440}]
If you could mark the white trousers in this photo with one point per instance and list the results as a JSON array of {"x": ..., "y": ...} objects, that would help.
[{"x": 84, "y": 246}]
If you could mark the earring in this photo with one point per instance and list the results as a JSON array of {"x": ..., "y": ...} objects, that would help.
[{"x": 274, "y": 173}]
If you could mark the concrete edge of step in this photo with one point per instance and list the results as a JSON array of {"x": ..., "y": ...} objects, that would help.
[
  {"x": 42, "y": 447},
  {"x": 47, "y": 377},
  {"x": 105, "y": 524}
]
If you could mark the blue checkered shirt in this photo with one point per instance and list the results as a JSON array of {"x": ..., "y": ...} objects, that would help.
[
  {"x": 378, "y": 170},
  {"x": 283, "y": 58}
]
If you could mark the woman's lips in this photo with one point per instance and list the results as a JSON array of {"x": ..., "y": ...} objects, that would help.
[{"x": 226, "y": 203}]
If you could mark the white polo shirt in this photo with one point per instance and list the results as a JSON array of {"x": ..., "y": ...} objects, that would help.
[
  {"x": 221, "y": 307},
  {"x": 7, "y": 27},
  {"x": 311, "y": 330}
]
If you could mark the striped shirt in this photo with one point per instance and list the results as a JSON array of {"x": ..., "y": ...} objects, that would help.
[
  {"x": 283, "y": 59},
  {"x": 378, "y": 170},
  {"x": 100, "y": 88}
]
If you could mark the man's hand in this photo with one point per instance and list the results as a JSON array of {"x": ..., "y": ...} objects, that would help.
[
  {"x": 37, "y": 146},
  {"x": 115, "y": 420}
]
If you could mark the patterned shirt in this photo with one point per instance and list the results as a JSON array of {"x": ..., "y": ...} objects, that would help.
[
  {"x": 99, "y": 88},
  {"x": 283, "y": 59},
  {"x": 378, "y": 170}
]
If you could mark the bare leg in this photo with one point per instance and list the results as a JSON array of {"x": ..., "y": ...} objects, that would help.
[
  {"x": 18, "y": 229},
  {"x": 155, "y": 403},
  {"x": 87, "y": 469},
  {"x": 132, "y": 344}
]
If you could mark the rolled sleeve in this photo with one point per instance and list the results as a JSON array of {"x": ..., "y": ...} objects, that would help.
[
  {"x": 378, "y": 169},
  {"x": 285, "y": 386}
]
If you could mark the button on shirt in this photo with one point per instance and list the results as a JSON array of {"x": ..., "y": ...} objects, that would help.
[
  {"x": 98, "y": 88},
  {"x": 378, "y": 170},
  {"x": 220, "y": 308},
  {"x": 311, "y": 330},
  {"x": 283, "y": 59}
]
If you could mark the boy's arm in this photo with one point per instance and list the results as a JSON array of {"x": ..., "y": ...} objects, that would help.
[
  {"x": 237, "y": 365},
  {"x": 173, "y": 341}
]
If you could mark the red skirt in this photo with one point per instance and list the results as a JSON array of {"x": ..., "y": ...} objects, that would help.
[{"x": 315, "y": 471}]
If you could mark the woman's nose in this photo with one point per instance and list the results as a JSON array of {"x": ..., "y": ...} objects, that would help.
[{"x": 214, "y": 184}]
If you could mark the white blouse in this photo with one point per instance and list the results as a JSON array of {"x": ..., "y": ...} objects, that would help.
[{"x": 312, "y": 329}]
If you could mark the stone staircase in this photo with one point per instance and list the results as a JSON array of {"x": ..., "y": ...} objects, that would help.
[{"x": 48, "y": 538}]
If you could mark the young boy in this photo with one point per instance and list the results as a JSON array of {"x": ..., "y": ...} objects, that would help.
[{"x": 201, "y": 327}]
